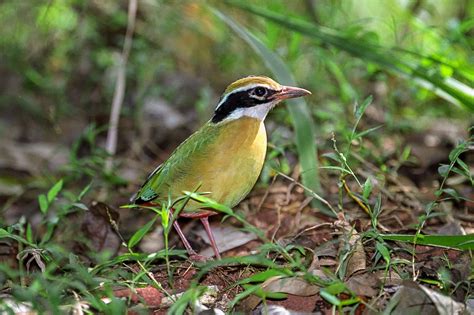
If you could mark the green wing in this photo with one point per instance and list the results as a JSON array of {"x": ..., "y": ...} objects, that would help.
[
  {"x": 176, "y": 166},
  {"x": 146, "y": 193}
]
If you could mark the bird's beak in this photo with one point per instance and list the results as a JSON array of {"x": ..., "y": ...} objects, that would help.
[{"x": 291, "y": 92}]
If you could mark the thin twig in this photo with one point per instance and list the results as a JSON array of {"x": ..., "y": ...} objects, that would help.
[
  {"x": 354, "y": 197},
  {"x": 111, "y": 144}
]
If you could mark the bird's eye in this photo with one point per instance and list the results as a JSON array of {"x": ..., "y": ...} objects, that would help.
[{"x": 260, "y": 91}]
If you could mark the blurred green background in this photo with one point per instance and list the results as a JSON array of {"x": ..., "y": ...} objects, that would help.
[
  {"x": 392, "y": 96},
  {"x": 59, "y": 66}
]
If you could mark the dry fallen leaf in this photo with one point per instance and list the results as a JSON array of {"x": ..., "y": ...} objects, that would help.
[
  {"x": 389, "y": 279},
  {"x": 98, "y": 228},
  {"x": 413, "y": 298},
  {"x": 351, "y": 244},
  {"x": 290, "y": 285},
  {"x": 364, "y": 284},
  {"x": 227, "y": 238}
]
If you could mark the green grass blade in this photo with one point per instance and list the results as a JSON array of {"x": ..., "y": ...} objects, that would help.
[
  {"x": 138, "y": 235},
  {"x": 5, "y": 234},
  {"x": 408, "y": 65},
  {"x": 300, "y": 115},
  {"x": 54, "y": 191},
  {"x": 463, "y": 242}
]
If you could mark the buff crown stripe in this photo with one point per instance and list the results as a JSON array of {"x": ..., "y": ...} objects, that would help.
[{"x": 251, "y": 81}]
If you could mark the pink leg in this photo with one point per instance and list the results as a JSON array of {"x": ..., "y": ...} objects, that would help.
[
  {"x": 192, "y": 254},
  {"x": 205, "y": 222},
  {"x": 189, "y": 249}
]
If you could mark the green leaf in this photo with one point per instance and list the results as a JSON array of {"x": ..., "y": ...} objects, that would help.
[
  {"x": 407, "y": 64},
  {"x": 43, "y": 203},
  {"x": 360, "y": 109},
  {"x": 29, "y": 233},
  {"x": 463, "y": 242},
  {"x": 84, "y": 191},
  {"x": 261, "y": 293},
  {"x": 53, "y": 192},
  {"x": 383, "y": 250},
  {"x": 367, "y": 188},
  {"x": 5, "y": 234},
  {"x": 209, "y": 203},
  {"x": 365, "y": 132},
  {"x": 457, "y": 151},
  {"x": 453, "y": 193},
  {"x": 137, "y": 237},
  {"x": 336, "y": 168},
  {"x": 80, "y": 205},
  {"x": 189, "y": 297},
  {"x": 459, "y": 171},
  {"x": 335, "y": 288},
  {"x": 359, "y": 112},
  {"x": 443, "y": 170},
  {"x": 333, "y": 156},
  {"x": 165, "y": 216},
  {"x": 464, "y": 167},
  {"x": 264, "y": 275},
  {"x": 330, "y": 297},
  {"x": 350, "y": 301},
  {"x": 406, "y": 153}
]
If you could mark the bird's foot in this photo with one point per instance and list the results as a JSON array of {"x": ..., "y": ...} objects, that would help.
[{"x": 195, "y": 257}]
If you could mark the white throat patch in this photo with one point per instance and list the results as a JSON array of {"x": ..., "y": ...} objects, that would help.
[{"x": 259, "y": 112}]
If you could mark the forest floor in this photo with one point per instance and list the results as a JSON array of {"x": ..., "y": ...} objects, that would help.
[{"x": 281, "y": 247}]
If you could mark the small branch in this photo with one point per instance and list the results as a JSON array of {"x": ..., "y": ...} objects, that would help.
[{"x": 111, "y": 144}]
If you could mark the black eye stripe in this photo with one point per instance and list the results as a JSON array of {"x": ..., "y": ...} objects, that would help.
[{"x": 240, "y": 99}]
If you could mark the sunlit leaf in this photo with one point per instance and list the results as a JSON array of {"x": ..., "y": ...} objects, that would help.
[
  {"x": 54, "y": 191},
  {"x": 330, "y": 297},
  {"x": 43, "y": 203}
]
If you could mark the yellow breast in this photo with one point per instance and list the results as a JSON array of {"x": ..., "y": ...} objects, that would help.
[{"x": 231, "y": 164}]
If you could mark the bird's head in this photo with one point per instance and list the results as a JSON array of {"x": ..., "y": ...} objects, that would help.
[{"x": 253, "y": 96}]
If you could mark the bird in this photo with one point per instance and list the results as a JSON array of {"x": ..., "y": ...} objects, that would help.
[{"x": 223, "y": 158}]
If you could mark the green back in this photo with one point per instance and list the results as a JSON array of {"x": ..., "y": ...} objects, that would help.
[{"x": 157, "y": 184}]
